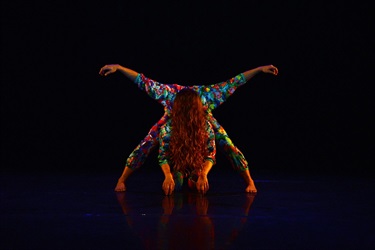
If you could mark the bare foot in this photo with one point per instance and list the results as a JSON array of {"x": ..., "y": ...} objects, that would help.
[
  {"x": 120, "y": 187},
  {"x": 251, "y": 188}
]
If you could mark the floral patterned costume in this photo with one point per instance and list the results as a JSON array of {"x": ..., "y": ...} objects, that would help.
[
  {"x": 212, "y": 96},
  {"x": 165, "y": 136}
]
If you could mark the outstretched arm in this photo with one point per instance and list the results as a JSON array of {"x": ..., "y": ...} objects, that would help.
[
  {"x": 268, "y": 69},
  {"x": 215, "y": 94},
  {"x": 112, "y": 68},
  {"x": 160, "y": 92}
]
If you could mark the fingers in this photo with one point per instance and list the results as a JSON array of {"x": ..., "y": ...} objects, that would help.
[
  {"x": 202, "y": 185},
  {"x": 106, "y": 70},
  {"x": 273, "y": 70},
  {"x": 102, "y": 71},
  {"x": 203, "y": 188},
  {"x": 168, "y": 188}
]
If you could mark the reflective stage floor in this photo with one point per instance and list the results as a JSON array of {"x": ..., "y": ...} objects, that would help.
[{"x": 80, "y": 211}]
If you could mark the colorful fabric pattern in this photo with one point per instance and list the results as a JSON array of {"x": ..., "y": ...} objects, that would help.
[{"x": 212, "y": 96}]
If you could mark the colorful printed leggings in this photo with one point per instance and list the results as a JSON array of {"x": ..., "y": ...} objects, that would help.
[{"x": 223, "y": 142}]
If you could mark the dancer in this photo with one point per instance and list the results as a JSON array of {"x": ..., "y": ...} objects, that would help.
[{"x": 212, "y": 96}]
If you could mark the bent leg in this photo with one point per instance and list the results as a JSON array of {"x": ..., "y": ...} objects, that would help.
[
  {"x": 136, "y": 159},
  {"x": 231, "y": 152},
  {"x": 140, "y": 154},
  {"x": 234, "y": 155}
]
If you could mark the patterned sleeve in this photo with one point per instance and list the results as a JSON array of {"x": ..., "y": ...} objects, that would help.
[
  {"x": 211, "y": 144},
  {"x": 163, "y": 93},
  {"x": 164, "y": 138},
  {"x": 215, "y": 94}
]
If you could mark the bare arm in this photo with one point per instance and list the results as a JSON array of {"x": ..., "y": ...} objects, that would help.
[
  {"x": 269, "y": 69},
  {"x": 112, "y": 68}
]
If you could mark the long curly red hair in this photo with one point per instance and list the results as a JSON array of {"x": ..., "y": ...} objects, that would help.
[{"x": 188, "y": 143}]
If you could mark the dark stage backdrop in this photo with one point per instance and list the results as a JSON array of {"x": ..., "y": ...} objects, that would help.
[{"x": 58, "y": 114}]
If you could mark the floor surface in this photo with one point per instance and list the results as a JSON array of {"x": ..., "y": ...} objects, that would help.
[{"x": 81, "y": 211}]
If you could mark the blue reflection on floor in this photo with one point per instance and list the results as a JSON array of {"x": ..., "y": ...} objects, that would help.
[{"x": 78, "y": 211}]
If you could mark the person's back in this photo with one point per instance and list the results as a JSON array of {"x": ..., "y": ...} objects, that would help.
[{"x": 187, "y": 142}]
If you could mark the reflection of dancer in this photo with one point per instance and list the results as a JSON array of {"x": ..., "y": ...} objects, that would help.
[
  {"x": 194, "y": 229},
  {"x": 187, "y": 143},
  {"x": 212, "y": 96},
  {"x": 197, "y": 232}
]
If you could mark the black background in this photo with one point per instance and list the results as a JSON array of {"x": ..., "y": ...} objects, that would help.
[{"x": 58, "y": 114}]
